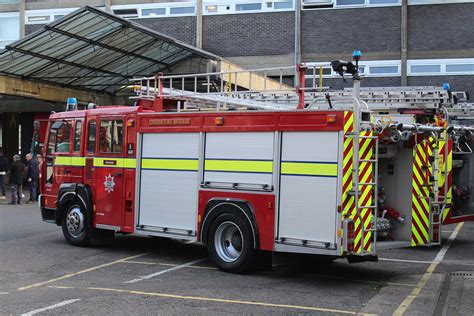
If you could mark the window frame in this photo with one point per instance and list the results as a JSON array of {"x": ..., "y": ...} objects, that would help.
[
  {"x": 86, "y": 147},
  {"x": 74, "y": 138},
  {"x": 99, "y": 142}
]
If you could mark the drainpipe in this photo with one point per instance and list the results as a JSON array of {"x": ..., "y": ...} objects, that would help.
[
  {"x": 108, "y": 6},
  {"x": 199, "y": 5},
  {"x": 297, "y": 51},
  {"x": 21, "y": 10},
  {"x": 404, "y": 43}
]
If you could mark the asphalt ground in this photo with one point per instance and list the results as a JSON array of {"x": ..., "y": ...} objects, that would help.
[{"x": 41, "y": 274}]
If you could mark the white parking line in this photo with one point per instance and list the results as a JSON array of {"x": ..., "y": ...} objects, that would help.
[
  {"x": 36, "y": 311},
  {"x": 405, "y": 260},
  {"x": 165, "y": 271}
]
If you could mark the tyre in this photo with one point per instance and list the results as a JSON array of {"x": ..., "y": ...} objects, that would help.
[
  {"x": 75, "y": 225},
  {"x": 231, "y": 243}
]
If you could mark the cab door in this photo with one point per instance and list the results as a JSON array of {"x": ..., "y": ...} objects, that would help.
[
  {"x": 77, "y": 160},
  {"x": 57, "y": 160},
  {"x": 108, "y": 174}
]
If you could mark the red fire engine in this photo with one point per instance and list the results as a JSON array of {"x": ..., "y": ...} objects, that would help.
[{"x": 295, "y": 181}]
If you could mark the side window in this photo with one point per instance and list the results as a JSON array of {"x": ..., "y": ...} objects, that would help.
[
  {"x": 63, "y": 138},
  {"x": 77, "y": 136},
  {"x": 52, "y": 140},
  {"x": 91, "y": 140},
  {"x": 111, "y": 136}
]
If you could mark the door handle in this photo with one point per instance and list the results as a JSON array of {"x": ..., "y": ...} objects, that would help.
[
  {"x": 67, "y": 171},
  {"x": 117, "y": 174}
]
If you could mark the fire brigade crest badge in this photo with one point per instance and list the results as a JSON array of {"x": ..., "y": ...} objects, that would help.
[{"x": 109, "y": 183}]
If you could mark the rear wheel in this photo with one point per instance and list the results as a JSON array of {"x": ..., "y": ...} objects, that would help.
[
  {"x": 231, "y": 243},
  {"x": 75, "y": 225}
]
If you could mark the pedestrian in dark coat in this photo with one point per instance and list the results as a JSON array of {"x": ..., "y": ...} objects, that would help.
[
  {"x": 32, "y": 175},
  {"x": 3, "y": 172},
  {"x": 17, "y": 171}
]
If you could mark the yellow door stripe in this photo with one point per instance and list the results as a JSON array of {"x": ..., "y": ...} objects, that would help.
[
  {"x": 110, "y": 162},
  {"x": 252, "y": 166},
  {"x": 115, "y": 162},
  {"x": 62, "y": 161},
  {"x": 78, "y": 161},
  {"x": 171, "y": 164},
  {"x": 309, "y": 169}
]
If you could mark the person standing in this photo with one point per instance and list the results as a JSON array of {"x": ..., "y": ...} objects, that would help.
[
  {"x": 32, "y": 175},
  {"x": 3, "y": 172},
  {"x": 17, "y": 170}
]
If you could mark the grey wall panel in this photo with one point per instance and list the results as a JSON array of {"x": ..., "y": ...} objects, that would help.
[
  {"x": 181, "y": 28},
  {"x": 249, "y": 34},
  {"x": 336, "y": 31},
  {"x": 441, "y": 27}
]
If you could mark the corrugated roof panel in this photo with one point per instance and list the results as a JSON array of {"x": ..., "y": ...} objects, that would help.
[{"x": 91, "y": 48}]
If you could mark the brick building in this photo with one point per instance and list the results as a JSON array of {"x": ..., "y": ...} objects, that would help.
[{"x": 404, "y": 42}]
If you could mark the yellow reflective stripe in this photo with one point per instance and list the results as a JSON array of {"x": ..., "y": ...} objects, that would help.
[
  {"x": 129, "y": 163},
  {"x": 62, "y": 161},
  {"x": 78, "y": 161},
  {"x": 171, "y": 164},
  {"x": 309, "y": 168},
  {"x": 255, "y": 166}
]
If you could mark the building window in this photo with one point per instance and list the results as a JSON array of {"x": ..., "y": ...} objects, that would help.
[
  {"x": 211, "y": 8},
  {"x": 460, "y": 68},
  {"x": 425, "y": 69},
  {"x": 350, "y": 2},
  {"x": 126, "y": 13},
  {"x": 383, "y": 70},
  {"x": 39, "y": 18},
  {"x": 283, "y": 5},
  {"x": 377, "y": 2},
  {"x": 9, "y": 29},
  {"x": 182, "y": 10},
  {"x": 248, "y": 7},
  {"x": 154, "y": 12}
]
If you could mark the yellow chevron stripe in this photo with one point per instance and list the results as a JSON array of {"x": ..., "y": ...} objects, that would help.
[
  {"x": 423, "y": 215},
  {"x": 349, "y": 122},
  {"x": 420, "y": 225}
]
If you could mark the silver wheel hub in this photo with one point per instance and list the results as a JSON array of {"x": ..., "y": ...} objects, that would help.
[
  {"x": 228, "y": 241},
  {"x": 75, "y": 222}
]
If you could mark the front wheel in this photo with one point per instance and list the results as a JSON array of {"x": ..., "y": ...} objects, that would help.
[
  {"x": 231, "y": 243},
  {"x": 75, "y": 225}
]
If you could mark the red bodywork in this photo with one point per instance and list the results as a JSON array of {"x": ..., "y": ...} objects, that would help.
[{"x": 116, "y": 208}]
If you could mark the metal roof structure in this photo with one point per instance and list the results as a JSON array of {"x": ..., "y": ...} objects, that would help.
[{"x": 94, "y": 50}]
